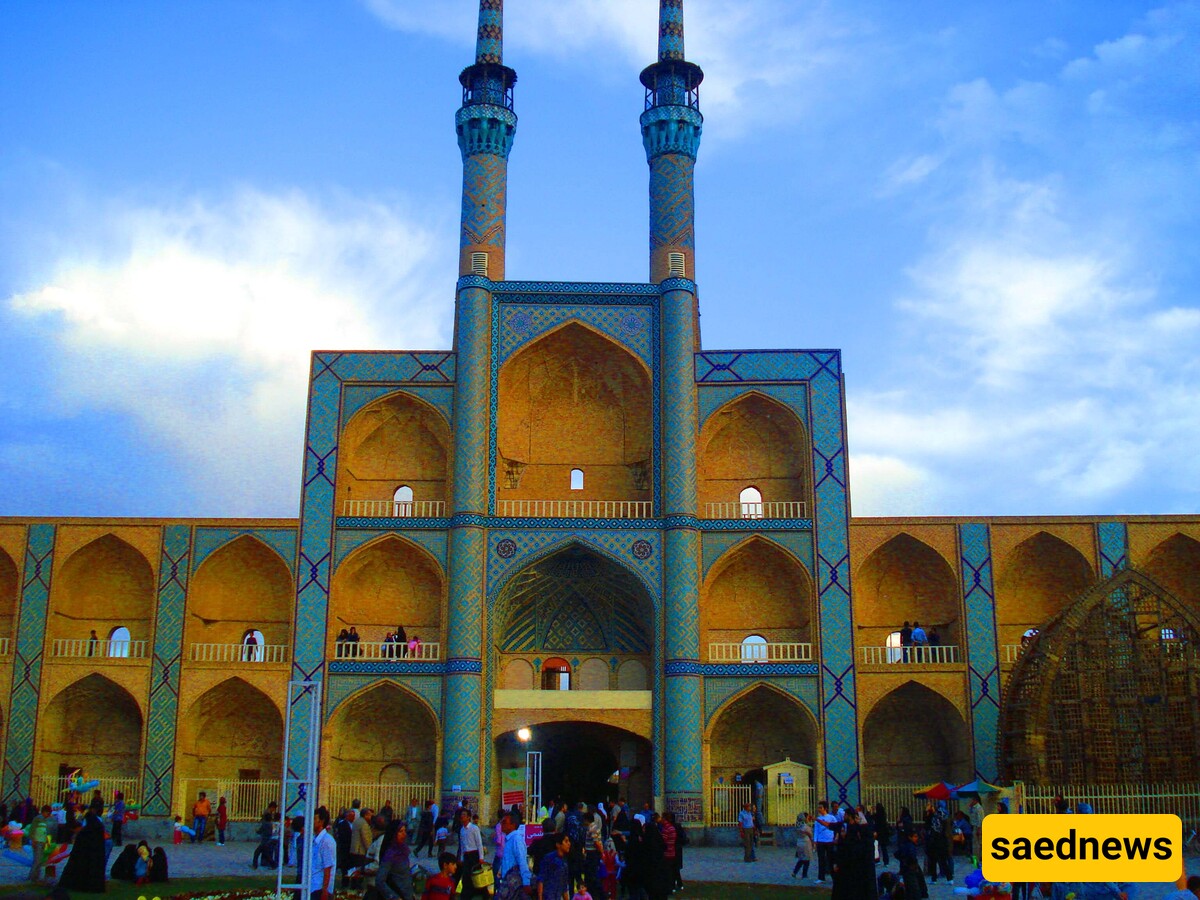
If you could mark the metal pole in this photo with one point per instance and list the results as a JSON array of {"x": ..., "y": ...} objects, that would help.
[{"x": 306, "y": 785}]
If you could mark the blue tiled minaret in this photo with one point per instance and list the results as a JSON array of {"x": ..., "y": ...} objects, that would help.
[
  {"x": 671, "y": 126},
  {"x": 485, "y": 125}
]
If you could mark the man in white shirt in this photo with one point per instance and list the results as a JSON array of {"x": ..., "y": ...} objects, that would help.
[
  {"x": 823, "y": 835},
  {"x": 470, "y": 853},
  {"x": 323, "y": 858}
]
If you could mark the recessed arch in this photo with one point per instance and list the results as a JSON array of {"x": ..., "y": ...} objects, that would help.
[
  {"x": 10, "y": 592},
  {"x": 914, "y": 733},
  {"x": 758, "y": 726},
  {"x": 243, "y": 585},
  {"x": 386, "y": 583},
  {"x": 518, "y": 675},
  {"x": 574, "y": 399},
  {"x": 398, "y": 439},
  {"x": 104, "y": 584},
  {"x": 93, "y": 724},
  {"x": 902, "y": 580},
  {"x": 1036, "y": 581},
  {"x": 753, "y": 440},
  {"x": 756, "y": 587},
  {"x": 1175, "y": 564},
  {"x": 233, "y": 731},
  {"x": 382, "y": 726}
]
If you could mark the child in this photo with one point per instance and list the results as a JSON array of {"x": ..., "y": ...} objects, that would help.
[
  {"x": 443, "y": 835},
  {"x": 178, "y": 838},
  {"x": 441, "y": 885},
  {"x": 222, "y": 821},
  {"x": 582, "y": 893},
  {"x": 142, "y": 865},
  {"x": 608, "y": 860}
]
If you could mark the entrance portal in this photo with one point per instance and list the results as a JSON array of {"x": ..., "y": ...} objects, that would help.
[{"x": 580, "y": 759}]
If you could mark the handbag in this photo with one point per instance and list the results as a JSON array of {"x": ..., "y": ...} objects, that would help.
[
  {"x": 510, "y": 887},
  {"x": 483, "y": 878}
]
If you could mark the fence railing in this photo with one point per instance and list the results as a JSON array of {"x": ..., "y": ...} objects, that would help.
[
  {"x": 727, "y": 802},
  {"x": 1010, "y": 653},
  {"x": 760, "y": 653},
  {"x": 245, "y": 801},
  {"x": 1182, "y": 799},
  {"x": 895, "y": 795},
  {"x": 576, "y": 509},
  {"x": 394, "y": 509},
  {"x": 938, "y": 654},
  {"x": 777, "y": 509},
  {"x": 428, "y": 651},
  {"x": 784, "y": 805},
  {"x": 235, "y": 653},
  {"x": 338, "y": 795},
  {"x": 5, "y": 646},
  {"x": 53, "y": 788},
  {"x": 83, "y": 648}
]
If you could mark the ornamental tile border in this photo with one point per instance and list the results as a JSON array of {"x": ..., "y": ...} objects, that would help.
[{"x": 385, "y": 667}]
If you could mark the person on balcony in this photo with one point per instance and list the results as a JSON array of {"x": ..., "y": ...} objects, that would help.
[
  {"x": 906, "y": 642},
  {"x": 414, "y": 647},
  {"x": 92, "y": 642},
  {"x": 919, "y": 640},
  {"x": 342, "y": 646},
  {"x": 352, "y": 637},
  {"x": 249, "y": 654},
  {"x": 935, "y": 640},
  {"x": 401, "y": 639}
]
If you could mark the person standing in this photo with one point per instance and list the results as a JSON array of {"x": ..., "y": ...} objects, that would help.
[
  {"x": 804, "y": 845},
  {"x": 823, "y": 836},
  {"x": 919, "y": 640},
  {"x": 250, "y": 650},
  {"x": 515, "y": 876},
  {"x": 92, "y": 642},
  {"x": 41, "y": 833},
  {"x": 553, "y": 875},
  {"x": 975, "y": 814},
  {"x": 201, "y": 810},
  {"x": 425, "y": 830},
  {"x": 680, "y": 841},
  {"x": 883, "y": 832},
  {"x": 118, "y": 818},
  {"x": 393, "y": 880},
  {"x": 84, "y": 871},
  {"x": 222, "y": 821},
  {"x": 746, "y": 832},
  {"x": 470, "y": 853},
  {"x": 323, "y": 859},
  {"x": 906, "y": 642}
]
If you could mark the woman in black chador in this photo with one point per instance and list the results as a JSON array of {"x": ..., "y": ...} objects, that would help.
[
  {"x": 854, "y": 860},
  {"x": 84, "y": 871}
]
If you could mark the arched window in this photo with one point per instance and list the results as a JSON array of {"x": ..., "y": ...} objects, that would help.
[
  {"x": 118, "y": 642},
  {"x": 894, "y": 653},
  {"x": 252, "y": 646},
  {"x": 403, "y": 501},
  {"x": 754, "y": 649},
  {"x": 577, "y": 479},
  {"x": 752, "y": 503},
  {"x": 556, "y": 675}
]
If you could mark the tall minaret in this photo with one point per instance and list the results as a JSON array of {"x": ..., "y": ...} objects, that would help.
[
  {"x": 485, "y": 125},
  {"x": 671, "y": 133}
]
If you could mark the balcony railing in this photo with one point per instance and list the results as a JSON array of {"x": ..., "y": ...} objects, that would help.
[
  {"x": 940, "y": 654},
  {"x": 235, "y": 653},
  {"x": 386, "y": 650},
  {"x": 394, "y": 509},
  {"x": 760, "y": 653},
  {"x": 1010, "y": 653},
  {"x": 777, "y": 509},
  {"x": 576, "y": 509},
  {"x": 85, "y": 648}
]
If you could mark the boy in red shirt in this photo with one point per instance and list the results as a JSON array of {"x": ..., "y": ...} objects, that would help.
[{"x": 441, "y": 885}]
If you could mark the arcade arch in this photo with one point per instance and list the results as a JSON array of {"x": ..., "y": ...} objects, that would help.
[
  {"x": 105, "y": 584},
  {"x": 1175, "y": 564},
  {"x": 242, "y": 587},
  {"x": 905, "y": 580},
  {"x": 914, "y": 734},
  {"x": 10, "y": 590},
  {"x": 95, "y": 725},
  {"x": 574, "y": 400},
  {"x": 396, "y": 441},
  {"x": 385, "y": 731},
  {"x": 759, "y": 727},
  {"x": 753, "y": 441},
  {"x": 233, "y": 731},
  {"x": 1037, "y": 580},
  {"x": 759, "y": 589}
]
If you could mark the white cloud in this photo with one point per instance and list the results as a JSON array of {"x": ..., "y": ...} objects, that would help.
[
  {"x": 884, "y": 484},
  {"x": 199, "y": 327}
]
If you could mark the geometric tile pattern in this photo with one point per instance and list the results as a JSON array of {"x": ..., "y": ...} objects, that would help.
[
  {"x": 684, "y": 726},
  {"x": 165, "y": 664},
  {"x": 672, "y": 203},
  {"x": 718, "y": 691},
  {"x": 461, "y": 756},
  {"x": 629, "y": 326},
  {"x": 679, "y": 411},
  {"x": 489, "y": 41},
  {"x": 670, "y": 30},
  {"x": 434, "y": 542},
  {"x": 484, "y": 196},
  {"x": 472, "y": 423},
  {"x": 208, "y": 539},
  {"x": 385, "y": 667},
  {"x": 767, "y": 365},
  {"x": 798, "y": 544},
  {"x": 983, "y": 667},
  {"x": 1113, "y": 540},
  {"x": 356, "y": 396},
  {"x": 714, "y": 396},
  {"x": 681, "y": 598},
  {"x": 684, "y": 730},
  {"x": 27, "y": 662}
]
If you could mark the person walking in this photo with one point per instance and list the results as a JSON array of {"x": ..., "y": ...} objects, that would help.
[
  {"x": 883, "y": 831},
  {"x": 266, "y": 838},
  {"x": 804, "y": 845},
  {"x": 393, "y": 880},
  {"x": 323, "y": 859},
  {"x": 515, "y": 877},
  {"x": 470, "y": 854}
]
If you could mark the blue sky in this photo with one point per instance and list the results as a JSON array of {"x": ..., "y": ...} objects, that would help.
[{"x": 990, "y": 208}]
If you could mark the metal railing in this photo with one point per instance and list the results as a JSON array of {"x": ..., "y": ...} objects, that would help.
[
  {"x": 760, "y": 653},
  {"x": 576, "y": 509},
  {"x": 938, "y": 654},
  {"x": 1010, "y": 653},
  {"x": 428, "y": 651},
  {"x": 785, "y": 804},
  {"x": 775, "y": 509},
  {"x": 727, "y": 802},
  {"x": 233, "y": 653},
  {"x": 53, "y": 788},
  {"x": 894, "y": 795},
  {"x": 84, "y": 648},
  {"x": 338, "y": 795},
  {"x": 245, "y": 801},
  {"x": 1181, "y": 799},
  {"x": 394, "y": 509}
]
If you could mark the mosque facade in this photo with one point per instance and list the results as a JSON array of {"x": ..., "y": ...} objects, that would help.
[{"x": 637, "y": 547}]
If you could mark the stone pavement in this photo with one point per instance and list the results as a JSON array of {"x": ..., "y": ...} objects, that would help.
[{"x": 720, "y": 864}]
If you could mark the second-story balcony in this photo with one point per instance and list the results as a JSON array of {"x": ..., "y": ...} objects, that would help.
[
  {"x": 394, "y": 509},
  {"x": 88, "y": 648},
  {"x": 239, "y": 653},
  {"x": 911, "y": 657},
  {"x": 771, "y": 652},
  {"x": 575, "y": 509},
  {"x": 775, "y": 509},
  {"x": 387, "y": 651}
]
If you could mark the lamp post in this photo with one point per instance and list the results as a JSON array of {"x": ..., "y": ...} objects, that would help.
[{"x": 533, "y": 774}]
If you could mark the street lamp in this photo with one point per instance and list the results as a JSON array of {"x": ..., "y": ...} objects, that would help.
[
  {"x": 533, "y": 774},
  {"x": 524, "y": 734}
]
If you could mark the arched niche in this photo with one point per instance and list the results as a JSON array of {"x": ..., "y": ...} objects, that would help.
[
  {"x": 1036, "y": 582},
  {"x": 382, "y": 728},
  {"x": 756, "y": 588},
  {"x": 243, "y": 586},
  {"x": 631, "y": 676},
  {"x": 10, "y": 591},
  {"x": 93, "y": 724},
  {"x": 518, "y": 675},
  {"x": 914, "y": 734},
  {"x": 574, "y": 399},
  {"x": 1175, "y": 564},
  {"x": 389, "y": 583},
  {"x": 103, "y": 585},
  {"x": 233, "y": 731},
  {"x": 593, "y": 675},
  {"x": 905, "y": 580},
  {"x": 760, "y": 727},
  {"x": 753, "y": 441},
  {"x": 397, "y": 440}
]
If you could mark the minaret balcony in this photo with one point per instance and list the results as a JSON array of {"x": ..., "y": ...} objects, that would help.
[
  {"x": 777, "y": 509},
  {"x": 575, "y": 509}
]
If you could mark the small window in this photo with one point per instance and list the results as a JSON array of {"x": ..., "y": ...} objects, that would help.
[
  {"x": 1169, "y": 634},
  {"x": 577, "y": 479},
  {"x": 402, "y": 501},
  {"x": 479, "y": 263},
  {"x": 752, "y": 503},
  {"x": 253, "y": 646},
  {"x": 676, "y": 267},
  {"x": 754, "y": 649},
  {"x": 894, "y": 653},
  {"x": 556, "y": 675},
  {"x": 118, "y": 642}
]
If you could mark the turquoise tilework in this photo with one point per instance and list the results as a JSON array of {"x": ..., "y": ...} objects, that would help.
[
  {"x": 715, "y": 366},
  {"x": 356, "y": 396},
  {"x": 713, "y": 396},
  {"x": 474, "y": 395},
  {"x": 159, "y": 776},
  {"x": 983, "y": 667},
  {"x": 672, "y": 202},
  {"x": 460, "y": 756},
  {"x": 630, "y": 326},
  {"x": 347, "y": 541},
  {"x": 27, "y": 662},
  {"x": 341, "y": 687},
  {"x": 394, "y": 367},
  {"x": 1113, "y": 540},
  {"x": 684, "y": 730},
  {"x": 679, "y": 403},
  {"x": 464, "y": 687},
  {"x": 682, "y": 593},
  {"x": 208, "y": 540},
  {"x": 719, "y": 691}
]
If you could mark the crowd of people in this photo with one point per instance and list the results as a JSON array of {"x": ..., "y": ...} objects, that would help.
[
  {"x": 396, "y": 644},
  {"x": 915, "y": 641}
]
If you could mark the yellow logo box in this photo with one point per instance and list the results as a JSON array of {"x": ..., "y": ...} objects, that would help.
[{"x": 1082, "y": 848}]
